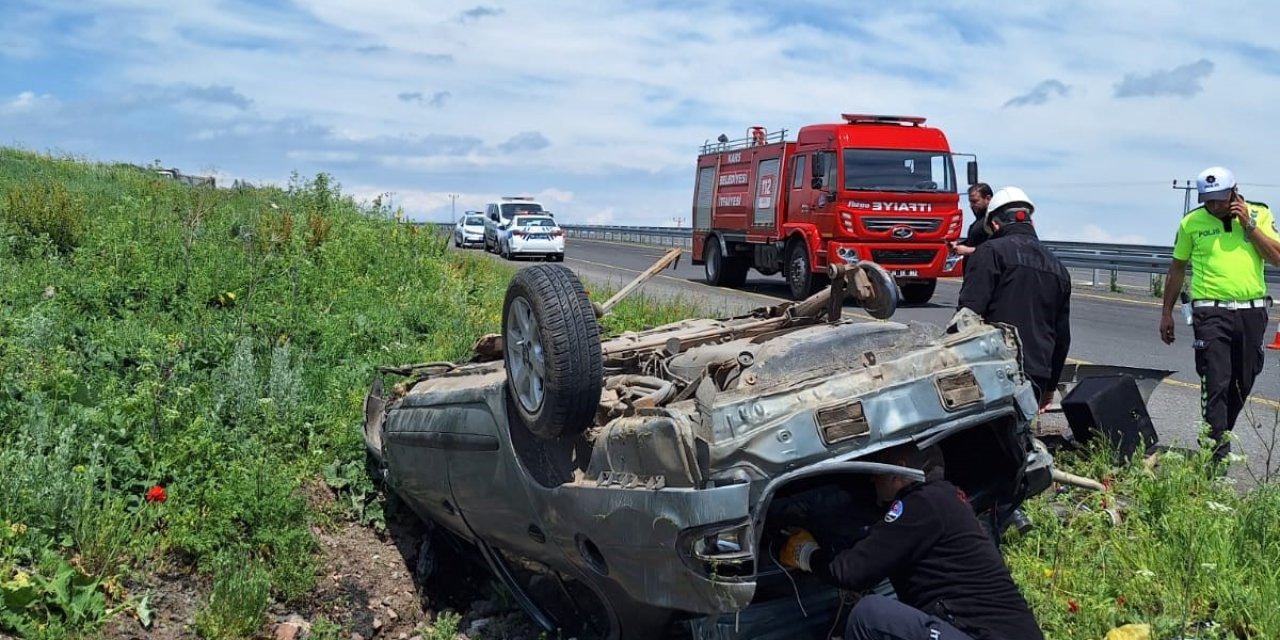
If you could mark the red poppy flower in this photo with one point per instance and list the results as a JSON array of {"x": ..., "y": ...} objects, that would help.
[
  {"x": 1119, "y": 601},
  {"x": 155, "y": 494},
  {"x": 1072, "y": 606}
]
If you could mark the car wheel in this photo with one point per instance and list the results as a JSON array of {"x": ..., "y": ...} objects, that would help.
[
  {"x": 551, "y": 351},
  {"x": 918, "y": 292},
  {"x": 884, "y": 291},
  {"x": 559, "y": 257}
]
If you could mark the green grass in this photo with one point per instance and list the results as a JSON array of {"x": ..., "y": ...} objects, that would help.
[
  {"x": 1191, "y": 556},
  {"x": 218, "y": 343}
]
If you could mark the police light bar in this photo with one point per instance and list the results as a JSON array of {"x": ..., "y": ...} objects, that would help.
[
  {"x": 510, "y": 198},
  {"x": 856, "y": 118}
]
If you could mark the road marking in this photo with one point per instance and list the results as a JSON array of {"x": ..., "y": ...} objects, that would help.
[
  {"x": 1098, "y": 296},
  {"x": 955, "y": 281}
]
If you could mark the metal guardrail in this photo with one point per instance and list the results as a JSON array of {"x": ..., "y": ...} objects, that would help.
[{"x": 1126, "y": 258}]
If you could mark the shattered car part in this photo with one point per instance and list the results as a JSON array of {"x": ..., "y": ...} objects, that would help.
[{"x": 704, "y": 438}]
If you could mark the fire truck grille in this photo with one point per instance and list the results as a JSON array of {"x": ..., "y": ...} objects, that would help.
[
  {"x": 919, "y": 225},
  {"x": 903, "y": 256}
]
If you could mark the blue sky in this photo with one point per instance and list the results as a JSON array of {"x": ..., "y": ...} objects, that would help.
[{"x": 1092, "y": 107}]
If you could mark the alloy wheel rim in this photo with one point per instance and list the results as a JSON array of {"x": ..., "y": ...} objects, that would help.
[{"x": 527, "y": 359}]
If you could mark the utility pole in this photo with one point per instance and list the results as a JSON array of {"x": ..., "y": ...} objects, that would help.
[
  {"x": 1186, "y": 194},
  {"x": 453, "y": 201}
]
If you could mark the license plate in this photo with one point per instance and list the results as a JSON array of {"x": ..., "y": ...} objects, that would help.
[
  {"x": 539, "y": 236},
  {"x": 905, "y": 273}
]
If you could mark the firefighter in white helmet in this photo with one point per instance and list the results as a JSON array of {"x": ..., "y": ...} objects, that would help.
[{"x": 1014, "y": 279}]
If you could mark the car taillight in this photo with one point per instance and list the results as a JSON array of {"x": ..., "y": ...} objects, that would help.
[
  {"x": 722, "y": 552},
  {"x": 557, "y": 233},
  {"x": 517, "y": 233}
]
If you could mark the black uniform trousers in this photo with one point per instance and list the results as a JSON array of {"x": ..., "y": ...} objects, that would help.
[
  {"x": 1229, "y": 355},
  {"x": 877, "y": 618}
]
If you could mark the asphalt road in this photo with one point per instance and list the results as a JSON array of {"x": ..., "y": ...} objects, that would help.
[{"x": 1106, "y": 328}]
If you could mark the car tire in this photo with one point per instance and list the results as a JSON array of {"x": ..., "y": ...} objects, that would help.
[
  {"x": 551, "y": 351},
  {"x": 559, "y": 257},
  {"x": 722, "y": 270},
  {"x": 918, "y": 292}
]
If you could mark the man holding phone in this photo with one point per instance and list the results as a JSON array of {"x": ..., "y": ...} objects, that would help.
[{"x": 1226, "y": 240}]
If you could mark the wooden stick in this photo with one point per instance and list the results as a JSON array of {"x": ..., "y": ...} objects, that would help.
[{"x": 648, "y": 274}]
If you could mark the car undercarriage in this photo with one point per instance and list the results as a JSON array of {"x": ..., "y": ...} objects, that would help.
[{"x": 634, "y": 485}]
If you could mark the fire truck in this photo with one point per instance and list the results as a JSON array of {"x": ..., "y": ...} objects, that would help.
[{"x": 874, "y": 187}]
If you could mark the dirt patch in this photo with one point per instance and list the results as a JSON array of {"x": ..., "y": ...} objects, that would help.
[
  {"x": 371, "y": 585},
  {"x": 367, "y": 588},
  {"x": 173, "y": 596}
]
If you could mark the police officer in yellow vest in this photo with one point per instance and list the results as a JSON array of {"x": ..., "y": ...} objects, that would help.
[{"x": 1226, "y": 241}]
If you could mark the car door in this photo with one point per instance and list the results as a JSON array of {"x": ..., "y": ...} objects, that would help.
[
  {"x": 417, "y": 443},
  {"x": 490, "y": 489}
]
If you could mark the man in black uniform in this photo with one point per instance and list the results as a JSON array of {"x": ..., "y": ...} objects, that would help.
[
  {"x": 1015, "y": 279},
  {"x": 949, "y": 577},
  {"x": 979, "y": 198}
]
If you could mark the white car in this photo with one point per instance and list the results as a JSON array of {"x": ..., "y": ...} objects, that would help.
[
  {"x": 532, "y": 235},
  {"x": 498, "y": 215},
  {"x": 469, "y": 230}
]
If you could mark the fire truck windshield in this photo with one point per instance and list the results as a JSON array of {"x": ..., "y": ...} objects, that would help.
[{"x": 898, "y": 170}]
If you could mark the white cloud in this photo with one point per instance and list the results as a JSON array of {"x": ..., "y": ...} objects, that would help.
[
  {"x": 27, "y": 102},
  {"x": 605, "y": 216},
  {"x": 609, "y": 101},
  {"x": 1095, "y": 233}
]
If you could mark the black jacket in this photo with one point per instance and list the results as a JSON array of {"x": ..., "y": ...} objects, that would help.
[
  {"x": 1014, "y": 279},
  {"x": 940, "y": 561},
  {"x": 974, "y": 237}
]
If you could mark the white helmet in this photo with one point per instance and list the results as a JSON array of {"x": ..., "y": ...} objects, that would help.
[{"x": 1005, "y": 198}]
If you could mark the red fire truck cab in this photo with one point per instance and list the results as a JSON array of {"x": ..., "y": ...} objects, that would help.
[{"x": 878, "y": 188}]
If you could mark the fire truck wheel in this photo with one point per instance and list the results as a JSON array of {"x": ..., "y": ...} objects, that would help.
[
  {"x": 551, "y": 351},
  {"x": 799, "y": 272},
  {"x": 919, "y": 291},
  {"x": 723, "y": 271}
]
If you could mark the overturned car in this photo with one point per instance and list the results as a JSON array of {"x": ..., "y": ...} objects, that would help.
[{"x": 632, "y": 487}]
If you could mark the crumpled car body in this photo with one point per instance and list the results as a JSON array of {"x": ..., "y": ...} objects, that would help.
[{"x": 664, "y": 511}]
